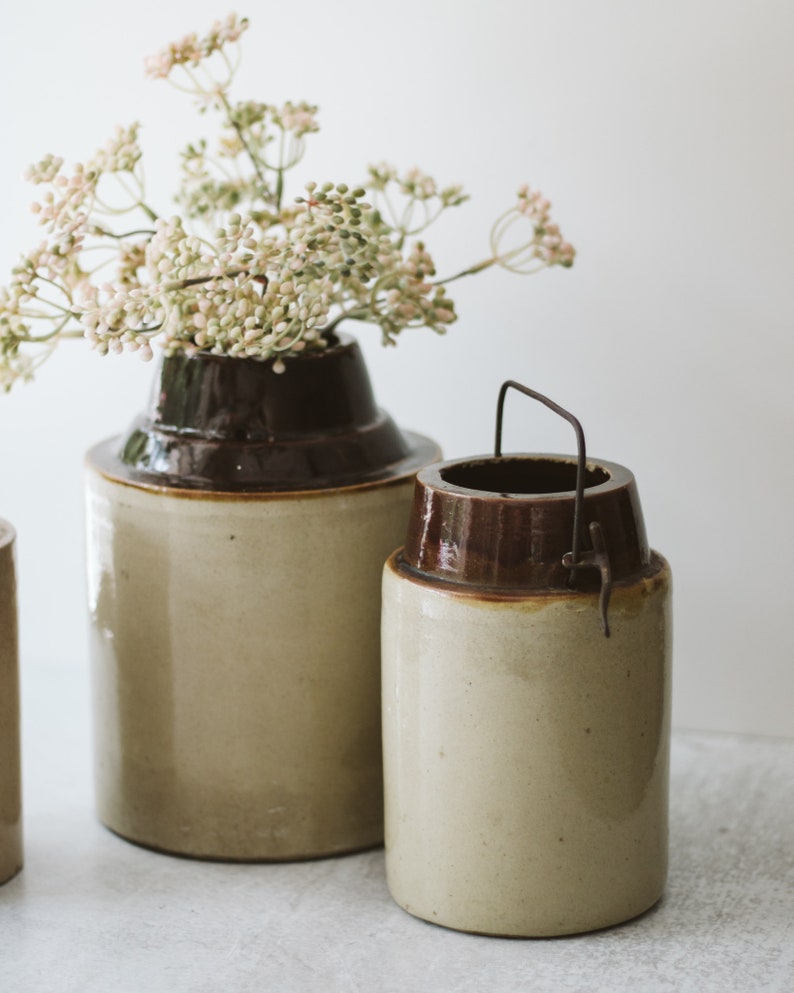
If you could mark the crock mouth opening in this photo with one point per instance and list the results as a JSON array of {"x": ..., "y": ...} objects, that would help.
[
  {"x": 334, "y": 341},
  {"x": 521, "y": 476}
]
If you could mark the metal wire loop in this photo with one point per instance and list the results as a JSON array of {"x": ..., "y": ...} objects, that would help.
[
  {"x": 581, "y": 458},
  {"x": 598, "y": 558}
]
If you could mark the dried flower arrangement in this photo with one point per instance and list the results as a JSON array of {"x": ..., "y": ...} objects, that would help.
[{"x": 242, "y": 272}]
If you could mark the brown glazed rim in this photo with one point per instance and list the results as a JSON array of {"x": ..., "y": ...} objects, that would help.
[
  {"x": 103, "y": 459},
  {"x": 236, "y": 426},
  {"x": 656, "y": 573},
  {"x": 504, "y": 524}
]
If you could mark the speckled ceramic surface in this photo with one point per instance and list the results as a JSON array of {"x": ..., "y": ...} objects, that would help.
[
  {"x": 236, "y": 667},
  {"x": 10, "y": 787},
  {"x": 526, "y": 754}
]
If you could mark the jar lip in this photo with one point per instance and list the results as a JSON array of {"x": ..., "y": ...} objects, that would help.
[
  {"x": 508, "y": 523},
  {"x": 337, "y": 342},
  {"x": 103, "y": 459},
  {"x": 456, "y": 477}
]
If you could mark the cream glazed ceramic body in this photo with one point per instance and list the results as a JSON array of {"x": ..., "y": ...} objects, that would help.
[
  {"x": 235, "y": 647},
  {"x": 235, "y": 633},
  {"x": 526, "y": 755},
  {"x": 10, "y": 786}
]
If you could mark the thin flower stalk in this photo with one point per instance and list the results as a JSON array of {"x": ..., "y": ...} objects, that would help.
[{"x": 242, "y": 270}]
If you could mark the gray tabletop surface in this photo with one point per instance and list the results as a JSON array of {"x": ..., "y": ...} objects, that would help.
[{"x": 91, "y": 913}]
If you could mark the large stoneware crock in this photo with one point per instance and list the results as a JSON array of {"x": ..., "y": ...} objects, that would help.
[{"x": 235, "y": 542}]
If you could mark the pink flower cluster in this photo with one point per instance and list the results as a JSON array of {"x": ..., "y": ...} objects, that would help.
[
  {"x": 242, "y": 272},
  {"x": 192, "y": 49}
]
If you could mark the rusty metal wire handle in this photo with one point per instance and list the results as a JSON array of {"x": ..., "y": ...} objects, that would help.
[
  {"x": 598, "y": 558},
  {"x": 581, "y": 457}
]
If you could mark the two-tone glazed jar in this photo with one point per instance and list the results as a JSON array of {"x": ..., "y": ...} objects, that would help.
[
  {"x": 526, "y": 698},
  {"x": 10, "y": 785},
  {"x": 236, "y": 538}
]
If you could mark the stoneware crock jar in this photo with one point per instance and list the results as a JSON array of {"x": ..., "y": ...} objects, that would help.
[
  {"x": 526, "y": 697},
  {"x": 236, "y": 539},
  {"x": 10, "y": 787}
]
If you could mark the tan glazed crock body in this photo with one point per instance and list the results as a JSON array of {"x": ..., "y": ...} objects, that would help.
[
  {"x": 526, "y": 754},
  {"x": 10, "y": 786},
  {"x": 235, "y": 629}
]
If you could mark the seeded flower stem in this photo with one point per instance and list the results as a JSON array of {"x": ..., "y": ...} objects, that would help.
[
  {"x": 471, "y": 271},
  {"x": 52, "y": 282},
  {"x": 37, "y": 315},
  {"x": 104, "y": 233},
  {"x": 147, "y": 210},
  {"x": 183, "y": 284},
  {"x": 361, "y": 314},
  {"x": 244, "y": 142},
  {"x": 57, "y": 332},
  {"x": 502, "y": 260},
  {"x": 280, "y": 172},
  {"x": 241, "y": 270}
]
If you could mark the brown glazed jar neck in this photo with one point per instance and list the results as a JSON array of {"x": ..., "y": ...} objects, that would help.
[
  {"x": 233, "y": 399},
  {"x": 235, "y": 425},
  {"x": 504, "y": 524}
]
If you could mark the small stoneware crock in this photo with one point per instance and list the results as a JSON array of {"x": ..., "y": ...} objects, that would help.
[
  {"x": 236, "y": 538},
  {"x": 526, "y": 697},
  {"x": 10, "y": 787}
]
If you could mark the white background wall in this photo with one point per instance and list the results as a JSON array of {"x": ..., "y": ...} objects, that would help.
[{"x": 662, "y": 133}]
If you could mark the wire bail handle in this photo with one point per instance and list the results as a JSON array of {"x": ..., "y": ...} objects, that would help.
[{"x": 598, "y": 558}]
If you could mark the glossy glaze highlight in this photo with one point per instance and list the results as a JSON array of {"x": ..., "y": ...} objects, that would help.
[{"x": 513, "y": 537}]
